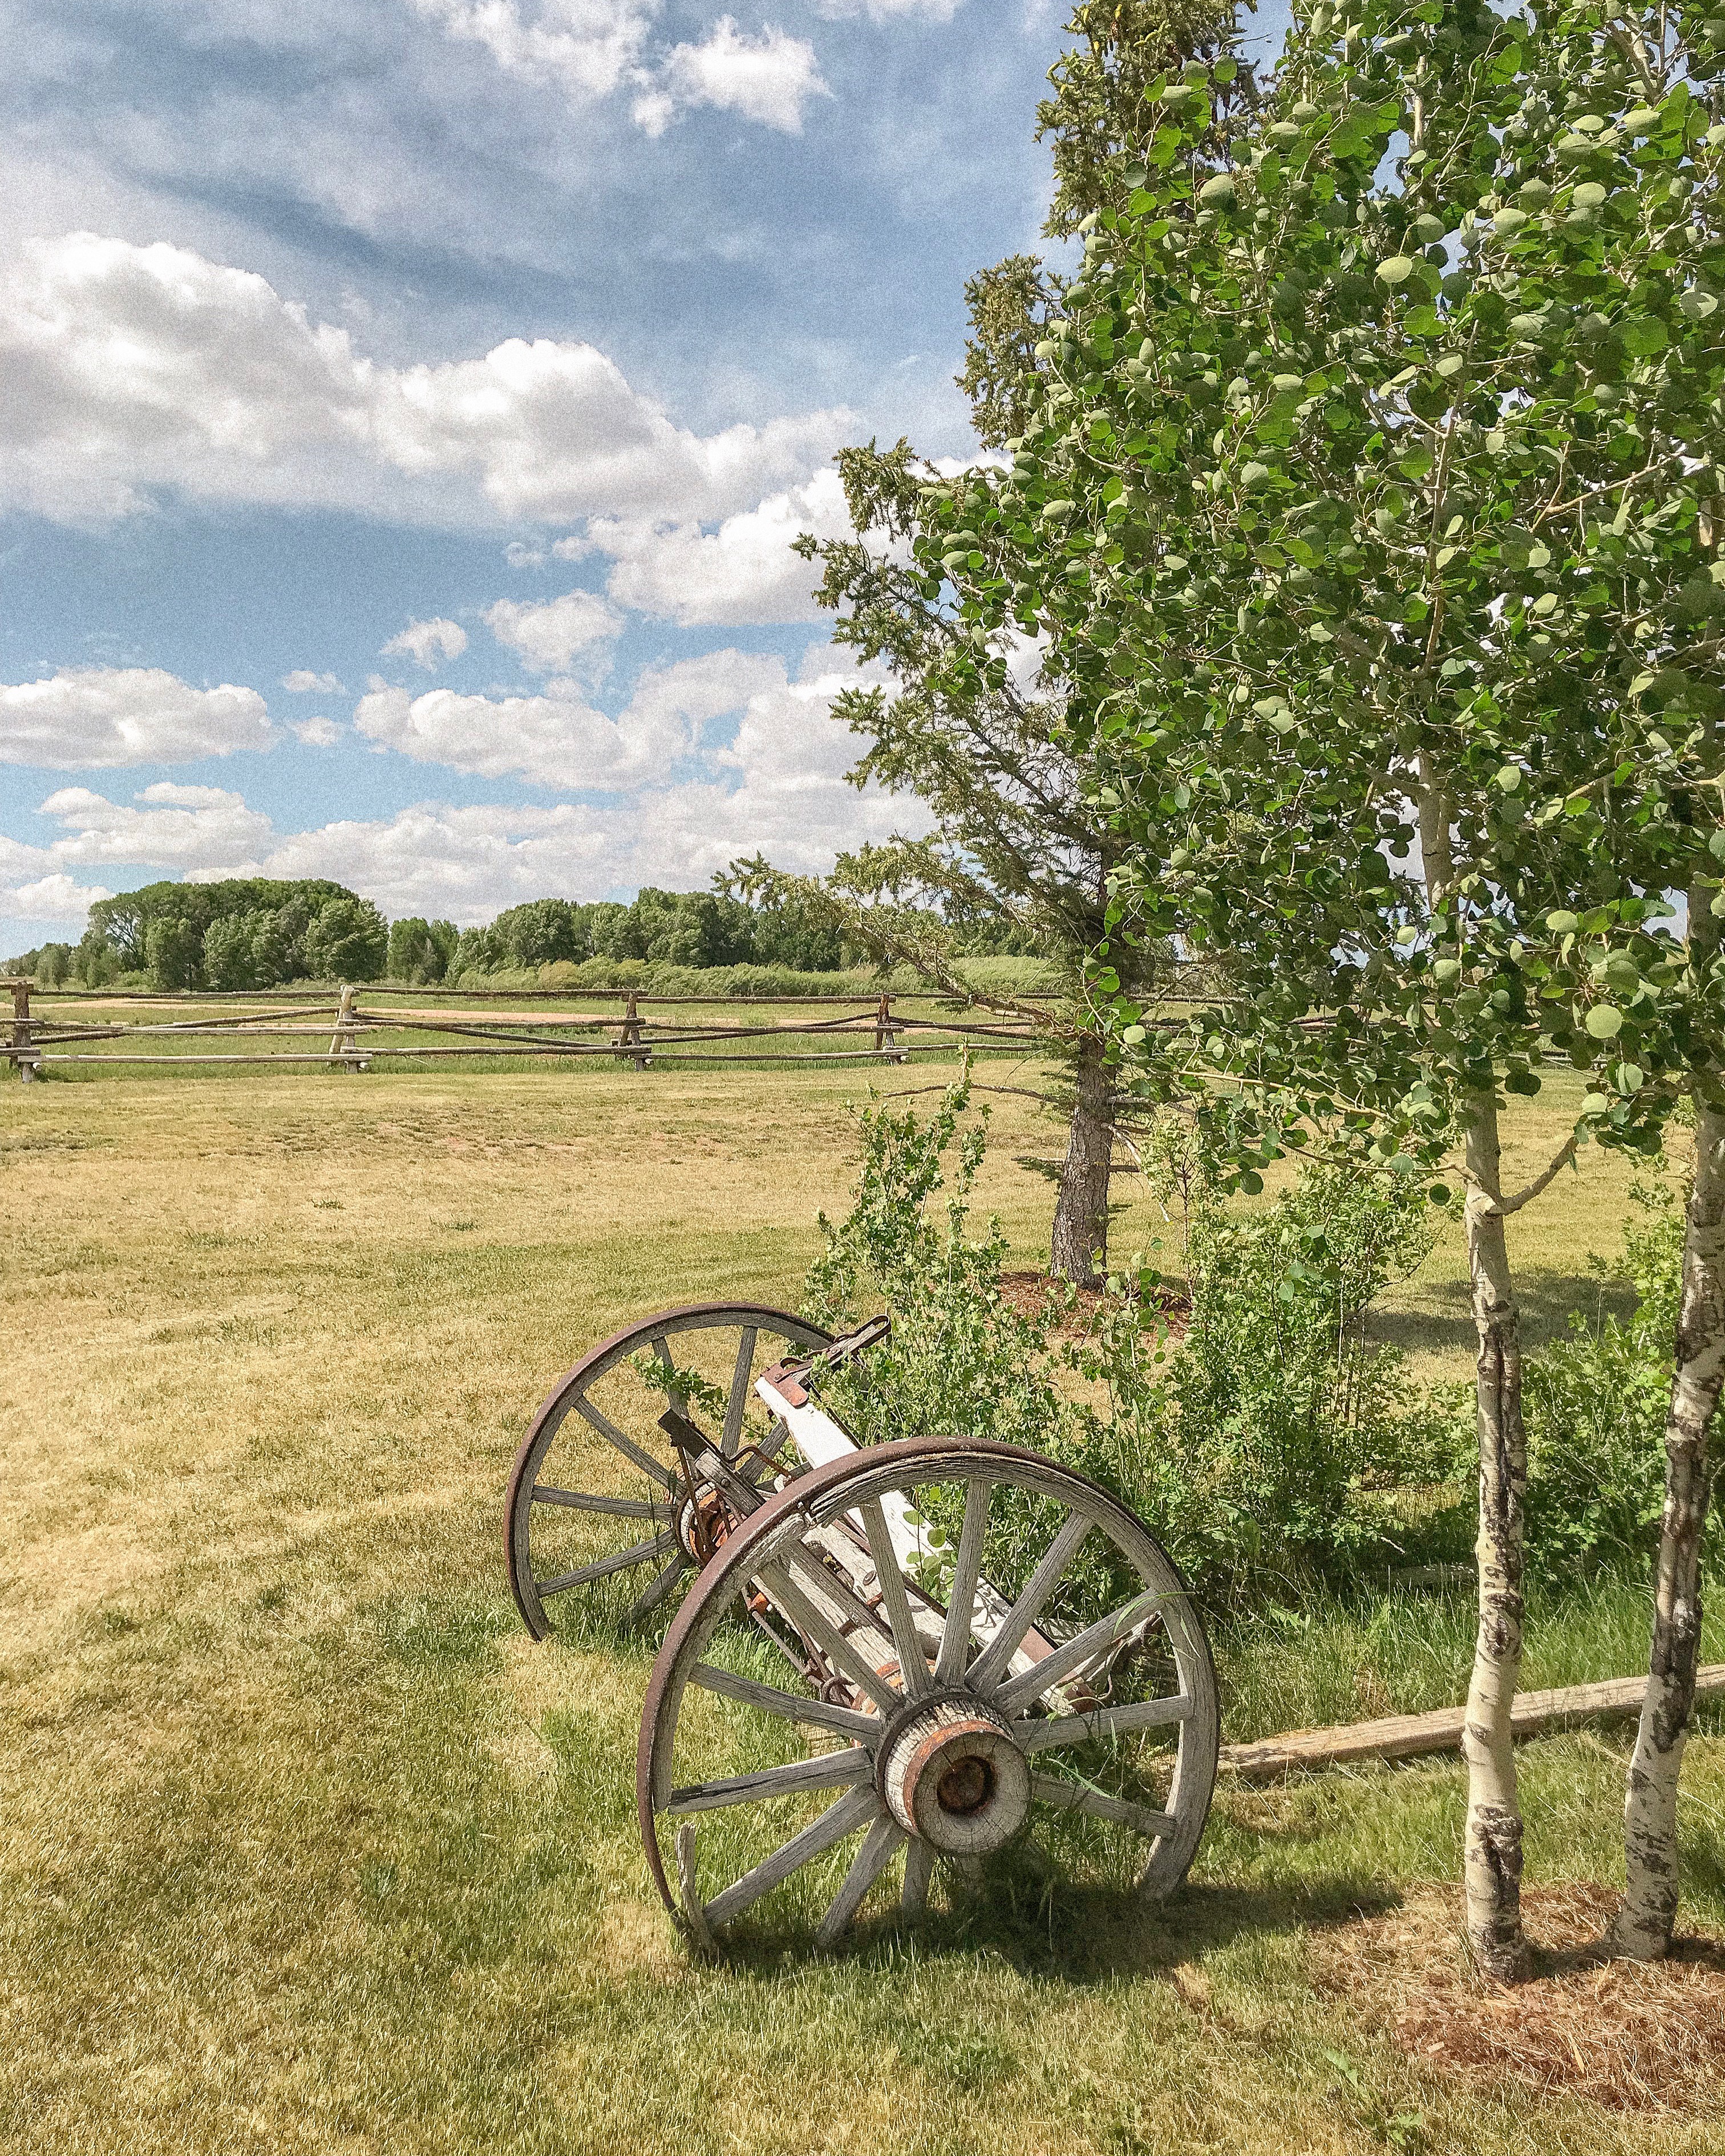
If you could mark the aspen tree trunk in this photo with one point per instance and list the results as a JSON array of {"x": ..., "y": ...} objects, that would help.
[
  {"x": 1492, "y": 1848},
  {"x": 1491, "y": 1862},
  {"x": 1648, "y": 1914},
  {"x": 1081, "y": 1220}
]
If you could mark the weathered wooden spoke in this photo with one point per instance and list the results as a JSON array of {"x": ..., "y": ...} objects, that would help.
[
  {"x": 950, "y": 1767},
  {"x": 827, "y": 1770},
  {"x": 1102, "y": 1722},
  {"x": 588, "y": 1501},
  {"x": 860, "y": 1808},
  {"x": 665, "y": 1477},
  {"x": 786, "y": 1705},
  {"x": 1073, "y": 1657},
  {"x": 919, "y": 1870},
  {"x": 1071, "y": 1796},
  {"x": 737, "y": 1399},
  {"x": 604, "y": 1566},
  {"x": 961, "y": 1610},
  {"x": 872, "y": 1859},
  {"x": 645, "y": 1604},
  {"x": 596, "y": 1460},
  {"x": 1010, "y": 1633},
  {"x": 913, "y": 1674}
]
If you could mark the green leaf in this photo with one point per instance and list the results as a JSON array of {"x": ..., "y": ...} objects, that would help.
[
  {"x": 1604, "y": 1022},
  {"x": 1643, "y": 335},
  {"x": 1393, "y": 270},
  {"x": 1561, "y": 923}
]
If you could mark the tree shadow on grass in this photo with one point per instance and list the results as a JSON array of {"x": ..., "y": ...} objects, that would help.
[
  {"x": 1082, "y": 1936},
  {"x": 1443, "y": 1324}
]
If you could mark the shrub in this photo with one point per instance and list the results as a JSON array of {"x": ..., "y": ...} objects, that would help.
[
  {"x": 1254, "y": 1447},
  {"x": 1596, "y": 1406}
]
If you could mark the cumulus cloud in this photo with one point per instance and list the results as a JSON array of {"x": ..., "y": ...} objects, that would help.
[
  {"x": 316, "y": 733},
  {"x": 133, "y": 369},
  {"x": 428, "y": 643},
  {"x": 50, "y": 898},
  {"x": 768, "y": 79},
  {"x": 743, "y": 570},
  {"x": 303, "y": 682},
  {"x": 185, "y": 827},
  {"x": 676, "y": 807},
  {"x": 99, "y": 717},
  {"x": 584, "y": 47},
  {"x": 551, "y": 637},
  {"x": 558, "y": 739},
  {"x": 889, "y": 11}
]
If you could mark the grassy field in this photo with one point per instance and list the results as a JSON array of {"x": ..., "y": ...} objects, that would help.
[{"x": 307, "y": 1847}]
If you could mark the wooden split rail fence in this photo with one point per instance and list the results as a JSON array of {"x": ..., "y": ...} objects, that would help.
[{"x": 883, "y": 1031}]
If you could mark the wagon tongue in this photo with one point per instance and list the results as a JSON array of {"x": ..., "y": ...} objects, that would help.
[{"x": 790, "y": 1379}]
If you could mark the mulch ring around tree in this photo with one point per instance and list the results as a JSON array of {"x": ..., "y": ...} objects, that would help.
[
  {"x": 1027, "y": 1292},
  {"x": 1627, "y": 2036}
]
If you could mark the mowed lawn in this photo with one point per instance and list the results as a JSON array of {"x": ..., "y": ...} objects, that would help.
[{"x": 307, "y": 1847}]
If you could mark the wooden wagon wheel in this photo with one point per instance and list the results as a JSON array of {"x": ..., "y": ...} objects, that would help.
[
  {"x": 1070, "y": 1725},
  {"x": 598, "y": 1496}
]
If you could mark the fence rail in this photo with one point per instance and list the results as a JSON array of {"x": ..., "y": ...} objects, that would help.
[{"x": 358, "y": 1034}]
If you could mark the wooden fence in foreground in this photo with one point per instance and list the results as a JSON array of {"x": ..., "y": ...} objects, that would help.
[{"x": 881, "y": 1029}]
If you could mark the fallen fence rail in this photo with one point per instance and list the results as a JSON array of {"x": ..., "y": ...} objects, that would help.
[{"x": 1420, "y": 1736}]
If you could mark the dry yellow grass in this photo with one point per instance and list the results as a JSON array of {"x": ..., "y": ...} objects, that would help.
[{"x": 305, "y": 1847}]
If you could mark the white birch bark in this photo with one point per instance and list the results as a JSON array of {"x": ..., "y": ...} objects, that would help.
[
  {"x": 1492, "y": 1846},
  {"x": 1648, "y": 1914},
  {"x": 1491, "y": 1856}
]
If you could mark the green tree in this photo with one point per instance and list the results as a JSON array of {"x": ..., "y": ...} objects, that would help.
[
  {"x": 54, "y": 963},
  {"x": 976, "y": 730},
  {"x": 173, "y": 951},
  {"x": 1333, "y": 536},
  {"x": 228, "y": 958},
  {"x": 348, "y": 941},
  {"x": 420, "y": 951}
]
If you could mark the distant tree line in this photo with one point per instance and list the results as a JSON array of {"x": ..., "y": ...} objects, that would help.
[{"x": 259, "y": 931}]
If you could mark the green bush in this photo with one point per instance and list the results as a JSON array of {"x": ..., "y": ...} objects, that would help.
[
  {"x": 1595, "y": 1405},
  {"x": 1259, "y": 1446}
]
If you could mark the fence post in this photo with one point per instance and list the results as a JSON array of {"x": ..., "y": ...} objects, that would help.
[
  {"x": 344, "y": 1043},
  {"x": 885, "y": 1039},
  {"x": 24, "y": 1056},
  {"x": 630, "y": 1031}
]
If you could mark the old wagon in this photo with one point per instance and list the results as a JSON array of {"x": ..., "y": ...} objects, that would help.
[{"x": 890, "y": 1668}]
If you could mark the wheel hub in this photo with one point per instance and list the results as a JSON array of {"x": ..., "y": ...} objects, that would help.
[{"x": 952, "y": 1776}]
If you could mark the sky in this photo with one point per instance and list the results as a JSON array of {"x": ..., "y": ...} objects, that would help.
[{"x": 410, "y": 408}]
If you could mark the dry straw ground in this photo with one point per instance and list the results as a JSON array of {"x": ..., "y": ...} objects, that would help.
[{"x": 306, "y": 1847}]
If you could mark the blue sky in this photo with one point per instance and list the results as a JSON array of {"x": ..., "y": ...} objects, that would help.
[{"x": 410, "y": 405}]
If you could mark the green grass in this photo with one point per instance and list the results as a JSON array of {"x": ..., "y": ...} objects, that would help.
[{"x": 306, "y": 1846}]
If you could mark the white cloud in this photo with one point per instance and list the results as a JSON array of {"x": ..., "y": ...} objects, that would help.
[
  {"x": 768, "y": 79},
  {"x": 133, "y": 369},
  {"x": 316, "y": 733},
  {"x": 185, "y": 827},
  {"x": 676, "y": 809},
  {"x": 558, "y": 739},
  {"x": 520, "y": 556},
  {"x": 50, "y": 898},
  {"x": 302, "y": 682},
  {"x": 551, "y": 636},
  {"x": 99, "y": 717},
  {"x": 888, "y": 11},
  {"x": 584, "y": 47},
  {"x": 742, "y": 571},
  {"x": 429, "y": 644}
]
